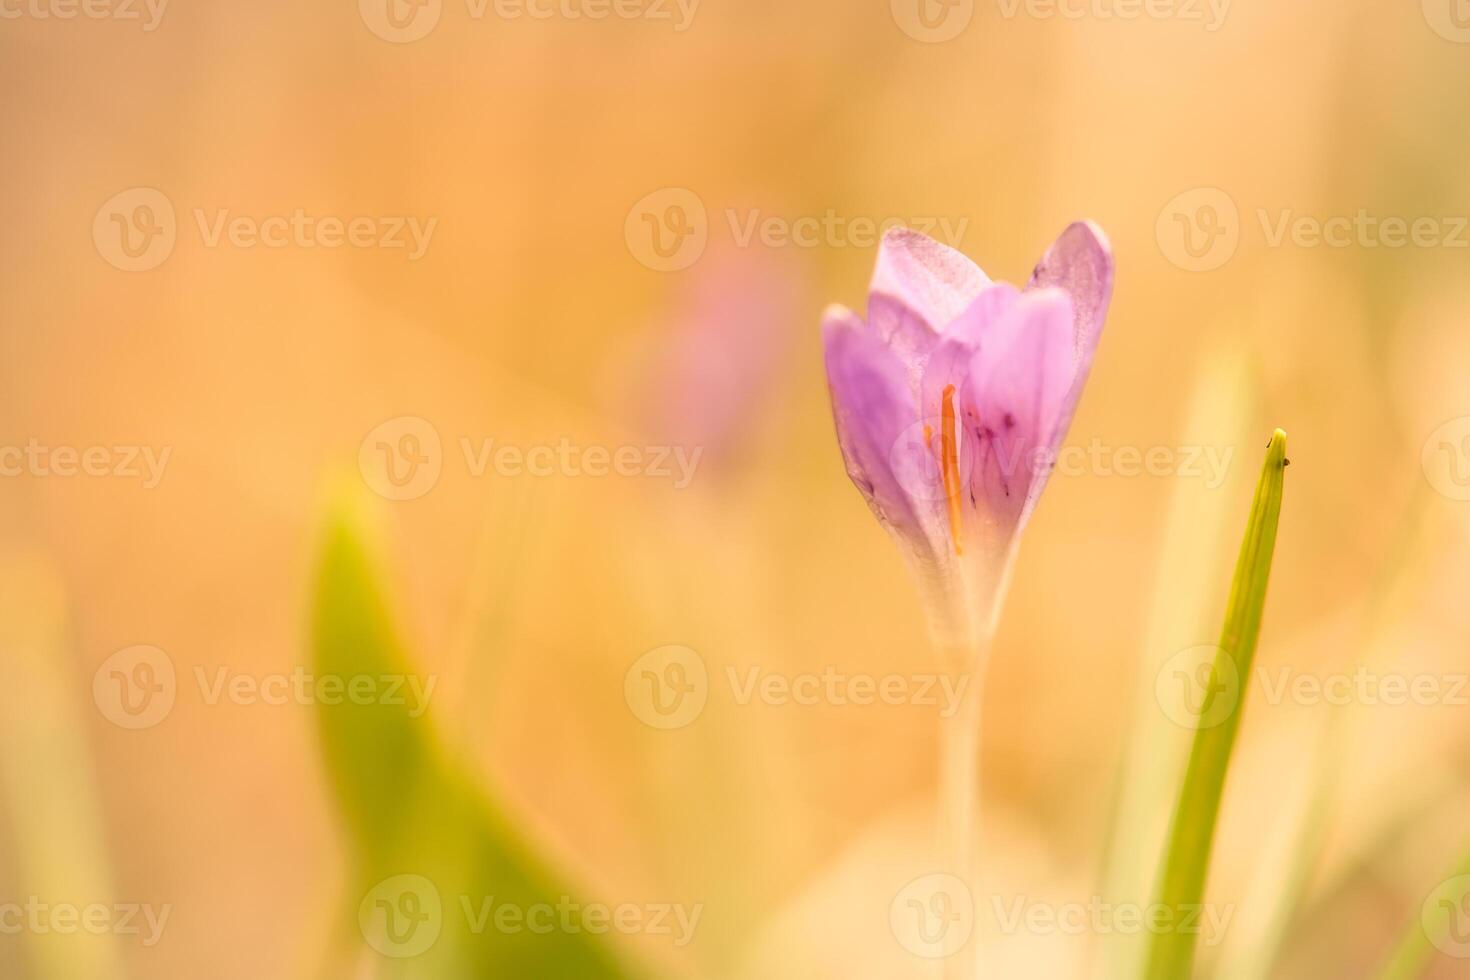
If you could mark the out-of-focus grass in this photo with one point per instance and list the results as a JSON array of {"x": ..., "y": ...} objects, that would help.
[
  {"x": 427, "y": 843},
  {"x": 1414, "y": 953},
  {"x": 48, "y": 776}
]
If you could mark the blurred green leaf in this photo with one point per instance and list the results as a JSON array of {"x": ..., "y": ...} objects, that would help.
[
  {"x": 1437, "y": 924},
  {"x": 1186, "y": 862},
  {"x": 443, "y": 883}
]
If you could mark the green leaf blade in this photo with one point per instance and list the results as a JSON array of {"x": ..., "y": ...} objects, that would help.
[
  {"x": 1187, "y": 858},
  {"x": 419, "y": 821}
]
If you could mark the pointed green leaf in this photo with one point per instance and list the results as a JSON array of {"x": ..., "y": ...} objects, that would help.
[
  {"x": 435, "y": 861},
  {"x": 1187, "y": 859}
]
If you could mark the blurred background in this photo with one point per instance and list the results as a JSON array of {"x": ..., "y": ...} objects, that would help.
[{"x": 536, "y": 286}]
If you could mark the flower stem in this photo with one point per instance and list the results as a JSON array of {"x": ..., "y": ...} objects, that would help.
[{"x": 960, "y": 788}]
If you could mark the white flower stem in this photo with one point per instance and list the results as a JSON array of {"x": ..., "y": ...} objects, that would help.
[{"x": 960, "y": 789}]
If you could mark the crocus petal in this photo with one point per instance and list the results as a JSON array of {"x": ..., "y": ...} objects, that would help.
[
  {"x": 949, "y": 362},
  {"x": 1080, "y": 262},
  {"x": 928, "y": 279},
  {"x": 1016, "y": 405},
  {"x": 904, "y": 333},
  {"x": 873, "y": 407}
]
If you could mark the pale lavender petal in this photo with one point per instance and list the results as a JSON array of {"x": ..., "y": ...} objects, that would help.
[
  {"x": 1080, "y": 262},
  {"x": 928, "y": 279},
  {"x": 903, "y": 332},
  {"x": 1016, "y": 406},
  {"x": 949, "y": 362},
  {"x": 873, "y": 408}
]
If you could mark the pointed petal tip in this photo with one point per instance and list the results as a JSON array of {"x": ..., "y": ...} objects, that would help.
[
  {"x": 837, "y": 318},
  {"x": 1093, "y": 230},
  {"x": 1081, "y": 241},
  {"x": 919, "y": 275},
  {"x": 902, "y": 236}
]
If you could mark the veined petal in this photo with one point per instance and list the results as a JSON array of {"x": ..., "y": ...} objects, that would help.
[
  {"x": 926, "y": 278},
  {"x": 873, "y": 407},
  {"x": 1080, "y": 262},
  {"x": 1016, "y": 405}
]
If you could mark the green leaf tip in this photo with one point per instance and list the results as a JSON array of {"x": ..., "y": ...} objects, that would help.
[
  {"x": 432, "y": 846},
  {"x": 1186, "y": 861}
]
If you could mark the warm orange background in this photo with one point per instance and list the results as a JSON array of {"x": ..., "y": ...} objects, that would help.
[{"x": 530, "y": 319}]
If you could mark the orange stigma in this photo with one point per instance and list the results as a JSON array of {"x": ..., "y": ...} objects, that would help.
[{"x": 949, "y": 461}]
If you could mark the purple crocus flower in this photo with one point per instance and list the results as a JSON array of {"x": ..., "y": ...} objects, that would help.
[{"x": 952, "y": 400}]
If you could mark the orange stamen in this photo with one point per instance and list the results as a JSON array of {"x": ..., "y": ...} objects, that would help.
[{"x": 949, "y": 460}]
